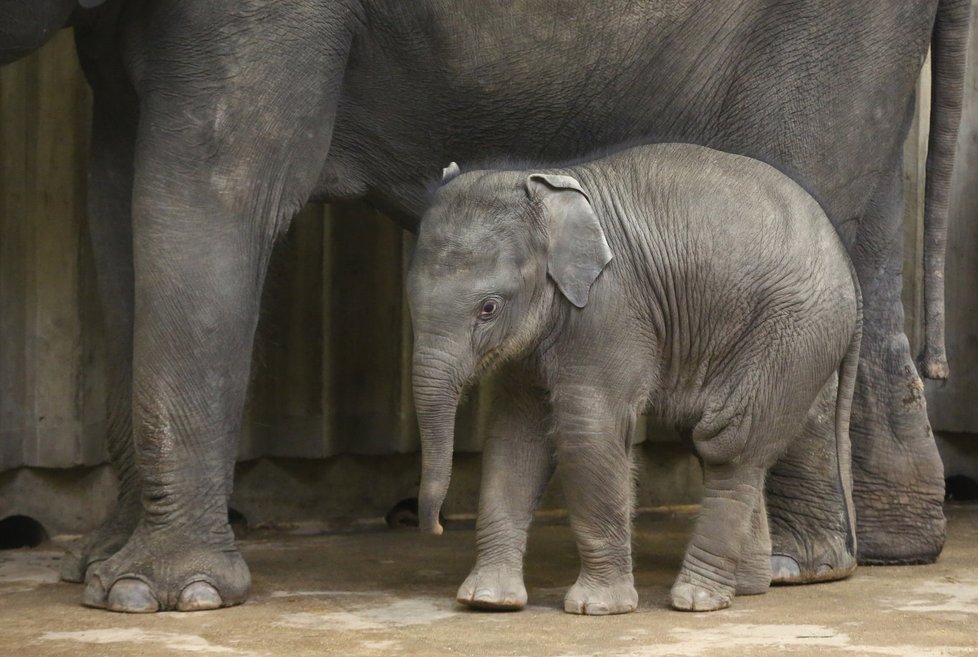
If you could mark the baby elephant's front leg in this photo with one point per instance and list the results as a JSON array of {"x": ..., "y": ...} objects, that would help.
[
  {"x": 517, "y": 463},
  {"x": 593, "y": 459}
]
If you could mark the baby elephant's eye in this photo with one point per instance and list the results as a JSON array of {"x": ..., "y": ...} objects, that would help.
[{"x": 488, "y": 309}]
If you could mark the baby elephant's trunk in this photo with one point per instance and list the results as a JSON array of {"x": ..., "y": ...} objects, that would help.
[{"x": 436, "y": 396}]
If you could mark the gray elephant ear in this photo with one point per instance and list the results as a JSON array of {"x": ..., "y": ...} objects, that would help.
[{"x": 578, "y": 248}]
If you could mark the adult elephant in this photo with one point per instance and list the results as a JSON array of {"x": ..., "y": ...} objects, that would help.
[{"x": 218, "y": 120}]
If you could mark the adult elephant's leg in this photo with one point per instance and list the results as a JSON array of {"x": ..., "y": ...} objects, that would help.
[
  {"x": 898, "y": 485},
  {"x": 110, "y": 226},
  {"x": 811, "y": 535},
  {"x": 898, "y": 477},
  {"x": 517, "y": 463},
  {"x": 221, "y": 166},
  {"x": 199, "y": 265}
]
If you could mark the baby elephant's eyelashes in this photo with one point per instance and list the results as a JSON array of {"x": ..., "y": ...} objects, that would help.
[{"x": 488, "y": 309}]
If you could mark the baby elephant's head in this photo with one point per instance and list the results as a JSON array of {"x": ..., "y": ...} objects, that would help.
[{"x": 496, "y": 251}]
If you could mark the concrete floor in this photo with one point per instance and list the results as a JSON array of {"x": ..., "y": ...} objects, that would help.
[{"x": 390, "y": 593}]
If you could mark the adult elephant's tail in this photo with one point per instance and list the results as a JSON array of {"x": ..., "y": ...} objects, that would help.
[{"x": 948, "y": 45}]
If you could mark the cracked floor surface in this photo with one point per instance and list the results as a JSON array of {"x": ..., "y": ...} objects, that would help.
[{"x": 391, "y": 593}]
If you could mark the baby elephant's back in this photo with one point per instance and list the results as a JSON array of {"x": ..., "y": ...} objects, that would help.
[
  {"x": 756, "y": 246},
  {"x": 748, "y": 222}
]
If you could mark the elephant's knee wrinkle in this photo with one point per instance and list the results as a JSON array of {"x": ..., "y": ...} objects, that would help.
[{"x": 720, "y": 439}]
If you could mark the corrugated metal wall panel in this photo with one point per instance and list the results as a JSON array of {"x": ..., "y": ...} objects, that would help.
[
  {"x": 51, "y": 396},
  {"x": 328, "y": 373}
]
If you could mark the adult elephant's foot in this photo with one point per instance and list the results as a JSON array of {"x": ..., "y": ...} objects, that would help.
[
  {"x": 493, "y": 587},
  {"x": 787, "y": 569},
  {"x": 602, "y": 598},
  {"x": 165, "y": 570},
  {"x": 82, "y": 557},
  {"x": 809, "y": 549},
  {"x": 805, "y": 551},
  {"x": 898, "y": 477}
]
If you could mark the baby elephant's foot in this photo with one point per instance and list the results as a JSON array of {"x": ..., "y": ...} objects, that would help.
[
  {"x": 699, "y": 595},
  {"x": 500, "y": 588},
  {"x": 598, "y": 599}
]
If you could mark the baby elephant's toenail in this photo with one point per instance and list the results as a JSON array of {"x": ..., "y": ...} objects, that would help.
[{"x": 94, "y": 594}]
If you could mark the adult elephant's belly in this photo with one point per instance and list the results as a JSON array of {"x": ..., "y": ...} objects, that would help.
[
  {"x": 834, "y": 118},
  {"x": 26, "y": 26}
]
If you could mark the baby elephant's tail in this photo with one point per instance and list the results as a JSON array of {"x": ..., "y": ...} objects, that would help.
[{"x": 843, "y": 412}]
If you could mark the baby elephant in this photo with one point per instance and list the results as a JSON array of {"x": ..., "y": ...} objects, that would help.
[{"x": 704, "y": 288}]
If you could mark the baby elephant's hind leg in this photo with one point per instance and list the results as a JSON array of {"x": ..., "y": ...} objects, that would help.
[
  {"x": 710, "y": 573},
  {"x": 754, "y": 568}
]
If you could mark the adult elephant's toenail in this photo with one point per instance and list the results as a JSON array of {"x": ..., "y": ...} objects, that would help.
[
  {"x": 199, "y": 596},
  {"x": 92, "y": 567},
  {"x": 784, "y": 569},
  {"x": 94, "y": 594},
  {"x": 133, "y": 596}
]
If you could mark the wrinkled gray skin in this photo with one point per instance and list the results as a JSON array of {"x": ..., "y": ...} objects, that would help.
[
  {"x": 28, "y": 25},
  {"x": 215, "y": 121},
  {"x": 705, "y": 288}
]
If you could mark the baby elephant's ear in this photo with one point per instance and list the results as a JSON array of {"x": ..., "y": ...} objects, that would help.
[{"x": 578, "y": 248}]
